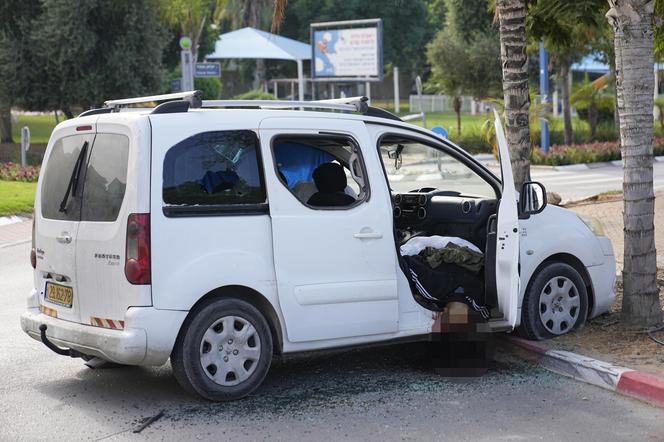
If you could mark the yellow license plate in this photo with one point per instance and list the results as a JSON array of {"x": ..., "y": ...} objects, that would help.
[{"x": 59, "y": 294}]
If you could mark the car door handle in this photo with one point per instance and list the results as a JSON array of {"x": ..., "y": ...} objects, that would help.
[
  {"x": 63, "y": 239},
  {"x": 368, "y": 235}
]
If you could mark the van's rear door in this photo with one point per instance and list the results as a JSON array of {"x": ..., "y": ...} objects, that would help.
[
  {"x": 57, "y": 214},
  {"x": 116, "y": 185}
]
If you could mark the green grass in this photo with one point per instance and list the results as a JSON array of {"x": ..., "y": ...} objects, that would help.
[
  {"x": 16, "y": 197},
  {"x": 469, "y": 123},
  {"x": 40, "y": 126}
]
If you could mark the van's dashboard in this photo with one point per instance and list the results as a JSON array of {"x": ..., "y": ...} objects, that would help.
[{"x": 442, "y": 212}]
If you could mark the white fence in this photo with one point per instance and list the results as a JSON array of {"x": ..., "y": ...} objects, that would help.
[{"x": 442, "y": 103}]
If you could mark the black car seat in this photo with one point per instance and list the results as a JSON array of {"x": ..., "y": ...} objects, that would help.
[{"x": 330, "y": 180}]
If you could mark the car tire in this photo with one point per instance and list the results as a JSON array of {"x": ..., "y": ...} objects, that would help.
[
  {"x": 555, "y": 302},
  {"x": 224, "y": 351}
]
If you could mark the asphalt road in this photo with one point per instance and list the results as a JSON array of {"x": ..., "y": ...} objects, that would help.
[
  {"x": 577, "y": 184},
  {"x": 382, "y": 393}
]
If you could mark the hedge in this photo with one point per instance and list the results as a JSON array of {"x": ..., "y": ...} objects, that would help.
[
  {"x": 14, "y": 172},
  {"x": 594, "y": 152}
]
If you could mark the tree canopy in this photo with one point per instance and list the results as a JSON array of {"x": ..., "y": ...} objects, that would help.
[
  {"x": 465, "y": 60},
  {"x": 59, "y": 54},
  {"x": 15, "y": 19},
  {"x": 79, "y": 53}
]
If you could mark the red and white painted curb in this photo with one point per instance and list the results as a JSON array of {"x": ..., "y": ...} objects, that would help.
[{"x": 623, "y": 380}]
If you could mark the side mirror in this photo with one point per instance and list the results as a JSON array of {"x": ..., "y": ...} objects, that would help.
[{"x": 532, "y": 199}]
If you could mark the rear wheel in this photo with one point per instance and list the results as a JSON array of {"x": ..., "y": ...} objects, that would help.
[
  {"x": 225, "y": 351},
  {"x": 555, "y": 302}
]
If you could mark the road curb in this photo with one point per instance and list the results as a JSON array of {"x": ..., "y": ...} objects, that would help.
[{"x": 628, "y": 382}]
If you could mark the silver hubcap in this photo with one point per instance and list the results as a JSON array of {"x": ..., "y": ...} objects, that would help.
[
  {"x": 559, "y": 305},
  {"x": 230, "y": 350}
]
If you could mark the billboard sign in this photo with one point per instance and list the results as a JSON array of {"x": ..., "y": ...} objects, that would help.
[{"x": 351, "y": 50}]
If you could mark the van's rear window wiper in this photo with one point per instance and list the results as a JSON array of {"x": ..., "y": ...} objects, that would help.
[{"x": 73, "y": 180}]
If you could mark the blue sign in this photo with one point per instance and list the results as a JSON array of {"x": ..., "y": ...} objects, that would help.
[
  {"x": 176, "y": 85},
  {"x": 440, "y": 130},
  {"x": 208, "y": 70}
]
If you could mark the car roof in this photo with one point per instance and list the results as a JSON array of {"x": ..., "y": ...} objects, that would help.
[{"x": 255, "y": 115}]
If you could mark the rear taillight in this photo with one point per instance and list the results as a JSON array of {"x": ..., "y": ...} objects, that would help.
[
  {"x": 137, "y": 260},
  {"x": 33, "y": 252}
]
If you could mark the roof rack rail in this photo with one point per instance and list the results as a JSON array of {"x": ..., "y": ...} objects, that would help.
[
  {"x": 183, "y": 101},
  {"x": 351, "y": 104},
  {"x": 193, "y": 97}
]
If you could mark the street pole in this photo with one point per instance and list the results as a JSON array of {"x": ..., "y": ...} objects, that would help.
[
  {"x": 25, "y": 145},
  {"x": 300, "y": 80},
  {"x": 544, "y": 92},
  {"x": 396, "y": 89},
  {"x": 187, "y": 64}
]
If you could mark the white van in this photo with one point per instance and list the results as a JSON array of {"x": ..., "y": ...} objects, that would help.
[{"x": 221, "y": 233}]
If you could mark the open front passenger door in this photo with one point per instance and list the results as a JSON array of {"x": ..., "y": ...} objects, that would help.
[{"x": 507, "y": 244}]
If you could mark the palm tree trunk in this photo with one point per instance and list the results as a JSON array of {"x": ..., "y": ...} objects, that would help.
[
  {"x": 512, "y": 16},
  {"x": 633, "y": 31},
  {"x": 616, "y": 115},
  {"x": 567, "y": 108}
]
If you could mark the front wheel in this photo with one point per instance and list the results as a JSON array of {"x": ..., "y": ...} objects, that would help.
[
  {"x": 555, "y": 302},
  {"x": 225, "y": 351}
]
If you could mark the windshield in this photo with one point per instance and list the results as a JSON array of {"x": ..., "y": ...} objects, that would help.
[{"x": 413, "y": 166}]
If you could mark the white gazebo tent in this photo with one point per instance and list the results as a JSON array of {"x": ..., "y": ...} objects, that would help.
[{"x": 256, "y": 44}]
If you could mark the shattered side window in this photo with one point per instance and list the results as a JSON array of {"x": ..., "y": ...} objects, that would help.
[{"x": 214, "y": 168}]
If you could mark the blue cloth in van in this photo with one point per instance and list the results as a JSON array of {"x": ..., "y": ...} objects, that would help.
[
  {"x": 297, "y": 161},
  {"x": 216, "y": 181}
]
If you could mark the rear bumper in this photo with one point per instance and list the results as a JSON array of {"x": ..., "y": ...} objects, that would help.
[{"x": 147, "y": 339}]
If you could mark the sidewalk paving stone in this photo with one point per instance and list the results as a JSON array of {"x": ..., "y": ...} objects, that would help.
[{"x": 15, "y": 233}]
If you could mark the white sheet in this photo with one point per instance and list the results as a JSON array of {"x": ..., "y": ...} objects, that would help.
[{"x": 415, "y": 245}]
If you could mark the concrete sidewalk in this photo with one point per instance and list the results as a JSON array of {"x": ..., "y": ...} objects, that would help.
[
  {"x": 15, "y": 233},
  {"x": 610, "y": 213}
]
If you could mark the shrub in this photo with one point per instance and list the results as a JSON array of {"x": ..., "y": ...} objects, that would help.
[
  {"x": 605, "y": 106},
  {"x": 255, "y": 95},
  {"x": 210, "y": 87},
  {"x": 14, "y": 172},
  {"x": 472, "y": 141},
  {"x": 604, "y": 132},
  {"x": 598, "y": 151}
]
